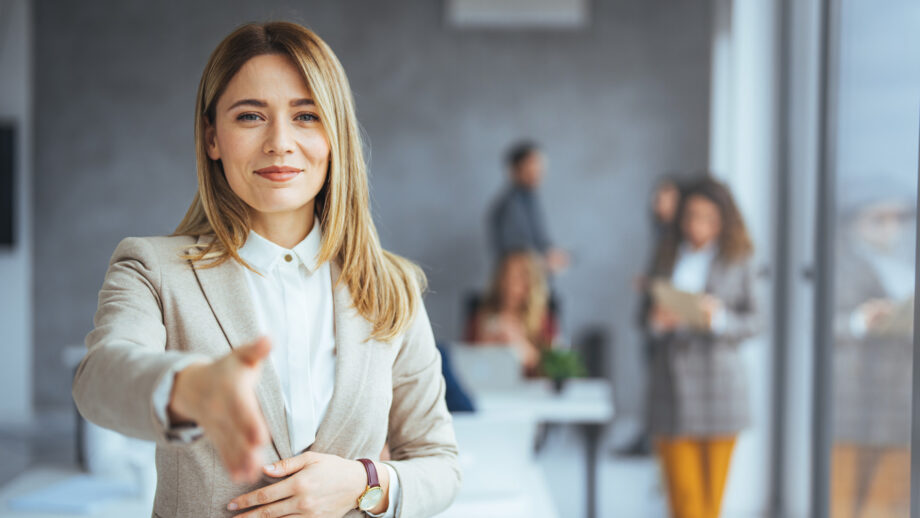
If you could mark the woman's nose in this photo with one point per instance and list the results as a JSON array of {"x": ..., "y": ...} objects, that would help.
[{"x": 279, "y": 140}]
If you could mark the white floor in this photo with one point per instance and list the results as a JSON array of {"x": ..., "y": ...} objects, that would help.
[{"x": 627, "y": 486}]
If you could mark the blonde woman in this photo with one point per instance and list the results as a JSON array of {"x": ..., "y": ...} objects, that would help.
[
  {"x": 270, "y": 346},
  {"x": 515, "y": 310}
]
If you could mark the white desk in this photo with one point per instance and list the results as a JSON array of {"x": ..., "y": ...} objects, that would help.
[{"x": 582, "y": 401}]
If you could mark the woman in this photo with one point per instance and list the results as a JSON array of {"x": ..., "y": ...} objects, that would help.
[
  {"x": 872, "y": 361},
  {"x": 698, "y": 393},
  {"x": 271, "y": 321},
  {"x": 663, "y": 207},
  {"x": 515, "y": 310}
]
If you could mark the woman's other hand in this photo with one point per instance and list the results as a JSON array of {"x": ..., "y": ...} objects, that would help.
[
  {"x": 220, "y": 397},
  {"x": 711, "y": 307},
  {"x": 318, "y": 485},
  {"x": 875, "y": 311},
  {"x": 664, "y": 320}
]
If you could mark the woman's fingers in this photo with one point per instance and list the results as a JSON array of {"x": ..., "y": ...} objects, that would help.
[
  {"x": 266, "y": 495},
  {"x": 249, "y": 433},
  {"x": 230, "y": 455},
  {"x": 289, "y": 465},
  {"x": 228, "y": 409},
  {"x": 247, "y": 417},
  {"x": 286, "y": 507},
  {"x": 238, "y": 431},
  {"x": 241, "y": 460},
  {"x": 253, "y": 353}
]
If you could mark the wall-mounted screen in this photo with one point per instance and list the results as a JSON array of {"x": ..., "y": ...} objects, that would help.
[{"x": 7, "y": 196}]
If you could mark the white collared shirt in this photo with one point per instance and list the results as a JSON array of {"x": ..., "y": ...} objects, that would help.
[
  {"x": 293, "y": 303},
  {"x": 691, "y": 268},
  {"x": 293, "y": 299}
]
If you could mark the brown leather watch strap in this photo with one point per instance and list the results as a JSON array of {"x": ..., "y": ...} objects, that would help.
[{"x": 372, "y": 480}]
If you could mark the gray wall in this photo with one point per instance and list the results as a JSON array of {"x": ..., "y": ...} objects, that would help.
[{"x": 615, "y": 104}]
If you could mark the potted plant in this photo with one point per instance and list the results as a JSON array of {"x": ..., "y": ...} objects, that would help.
[{"x": 561, "y": 364}]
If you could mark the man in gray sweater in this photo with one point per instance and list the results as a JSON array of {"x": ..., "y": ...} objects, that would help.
[{"x": 516, "y": 221}]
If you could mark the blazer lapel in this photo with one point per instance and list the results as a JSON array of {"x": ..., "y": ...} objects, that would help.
[
  {"x": 351, "y": 364},
  {"x": 228, "y": 295}
]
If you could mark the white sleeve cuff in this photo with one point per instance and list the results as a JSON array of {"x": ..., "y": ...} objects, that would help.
[
  {"x": 393, "y": 494},
  {"x": 858, "y": 324},
  {"x": 161, "y": 393}
]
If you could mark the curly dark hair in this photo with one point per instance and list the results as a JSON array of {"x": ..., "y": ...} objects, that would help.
[{"x": 734, "y": 241}]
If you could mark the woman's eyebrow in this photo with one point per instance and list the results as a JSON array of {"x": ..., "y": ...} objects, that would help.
[{"x": 262, "y": 104}]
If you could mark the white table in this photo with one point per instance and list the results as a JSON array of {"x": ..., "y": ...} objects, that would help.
[{"x": 581, "y": 401}]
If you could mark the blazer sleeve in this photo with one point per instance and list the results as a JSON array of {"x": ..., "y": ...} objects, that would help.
[
  {"x": 421, "y": 434},
  {"x": 126, "y": 354},
  {"x": 742, "y": 316}
]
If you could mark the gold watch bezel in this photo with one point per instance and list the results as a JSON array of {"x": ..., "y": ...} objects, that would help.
[{"x": 367, "y": 490}]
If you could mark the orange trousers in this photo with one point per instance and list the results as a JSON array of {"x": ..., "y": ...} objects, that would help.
[
  {"x": 695, "y": 471},
  {"x": 870, "y": 481}
]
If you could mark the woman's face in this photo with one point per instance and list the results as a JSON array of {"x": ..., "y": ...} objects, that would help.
[
  {"x": 702, "y": 222},
  {"x": 515, "y": 282},
  {"x": 269, "y": 139},
  {"x": 883, "y": 224}
]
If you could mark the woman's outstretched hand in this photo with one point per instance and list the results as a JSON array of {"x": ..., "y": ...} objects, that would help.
[
  {"x": 318, "y": 485},
  {"x": 221, "y": 398}
]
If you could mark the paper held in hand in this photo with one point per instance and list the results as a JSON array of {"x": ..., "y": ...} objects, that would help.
[{"x": 689, "y": 306}]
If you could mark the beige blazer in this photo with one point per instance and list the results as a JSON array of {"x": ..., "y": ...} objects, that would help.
[{"x": 156, "y": 311}]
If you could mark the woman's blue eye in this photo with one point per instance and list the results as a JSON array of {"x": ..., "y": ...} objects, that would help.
[
  {"x": 247, "y": 117},
  {"x": 309, "y": 117}
]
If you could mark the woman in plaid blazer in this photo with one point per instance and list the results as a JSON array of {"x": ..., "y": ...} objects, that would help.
[
  {"x": 698, "y": 385},
  {"x": 872, "y": 360}
]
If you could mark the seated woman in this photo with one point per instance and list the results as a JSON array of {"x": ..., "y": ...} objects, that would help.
[{"x": 515, "y": 310}]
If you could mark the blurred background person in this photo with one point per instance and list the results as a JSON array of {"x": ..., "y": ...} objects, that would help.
[
  {"x": 698, "y": 395},
  {"x": 873, "y": 351},
  {"x": 664, "y": 203},
  {"x": 517, "y": 220},
  {"x": 515, "y": 310}
]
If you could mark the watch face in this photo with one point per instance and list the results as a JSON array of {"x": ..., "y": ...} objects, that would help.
[{"x": 371, "y": 498}]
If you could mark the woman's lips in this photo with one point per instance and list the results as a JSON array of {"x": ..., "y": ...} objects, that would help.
[{"x": 278, "y": 173}]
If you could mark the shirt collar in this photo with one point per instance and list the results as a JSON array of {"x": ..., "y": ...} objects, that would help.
[{"x": 262, "y": 254}]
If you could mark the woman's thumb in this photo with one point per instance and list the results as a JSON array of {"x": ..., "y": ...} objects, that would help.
[{"x": 252, "y": 354}]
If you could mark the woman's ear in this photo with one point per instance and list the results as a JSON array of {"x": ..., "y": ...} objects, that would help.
[{"x": 210, "y": 140}]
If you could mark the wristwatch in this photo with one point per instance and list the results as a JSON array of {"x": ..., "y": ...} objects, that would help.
[{"x": 373, "y": 493}]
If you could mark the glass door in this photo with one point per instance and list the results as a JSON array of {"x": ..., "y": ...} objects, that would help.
[{"x": 866, "y": 259}]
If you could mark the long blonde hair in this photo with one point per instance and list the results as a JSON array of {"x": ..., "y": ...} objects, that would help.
[
  {"x": 385, "y": 287},
  {"x": 534, "y": 310}
]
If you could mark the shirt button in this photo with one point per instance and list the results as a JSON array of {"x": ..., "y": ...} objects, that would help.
[{"x": 288, "y": 258}]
